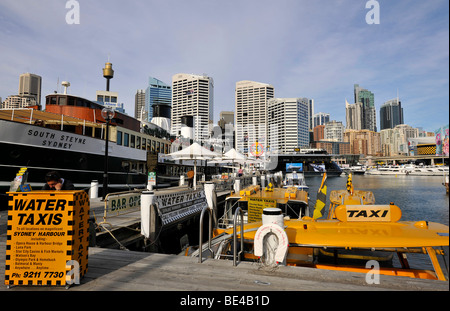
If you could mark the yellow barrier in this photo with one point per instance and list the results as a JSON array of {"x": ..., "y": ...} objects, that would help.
[
  {"x": 47, "y": 238},
  {"x": 291, "y": 193},
  {"x": 249, "y": 190}
]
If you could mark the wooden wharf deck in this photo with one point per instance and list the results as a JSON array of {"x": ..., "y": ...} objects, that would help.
[{"x": 123, "y": 270}]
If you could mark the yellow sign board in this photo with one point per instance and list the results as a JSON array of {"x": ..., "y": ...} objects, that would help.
[
  {"x": 47, "y": 237},
  {"x": 368, "y": 213},
  {"x": 256, "y": 207}
]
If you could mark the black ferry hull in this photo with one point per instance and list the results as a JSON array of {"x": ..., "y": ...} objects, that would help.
[{"x": 76, "y": 157}]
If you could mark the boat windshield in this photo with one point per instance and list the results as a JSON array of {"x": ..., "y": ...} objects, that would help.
[
  {"x": 294, "y": 209},
  {"x": 294, "y": 182}
]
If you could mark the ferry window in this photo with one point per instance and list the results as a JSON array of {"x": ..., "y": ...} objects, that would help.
[
  {"x": 138, "y": 142},
  {"x": 70, "y": 101},
  {"x": 119, "y": 138},
  {"x": 107, "y": 99},
  {"x": 88, "y": 131},
  {"x": 98, "y": 132},
  {"x": 126, "y": 166},
  {"x": 126, "y": 140},
  {"x": 113, "y": 99},
  {"x": 133, "y": 167},
  {"x": 51, "y": 101},
  {"x": 100, "y": 98},
  {"x": 132, "y": 141},
  {"x": 62, "y": 101},
  {"x": 144, "y": 143}
]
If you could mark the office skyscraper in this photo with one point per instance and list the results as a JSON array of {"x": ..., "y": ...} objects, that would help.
[
  {"x": 192, "y": 95},
  {"x": 251, "y": 100},
  {"x": 157, "y": 93},
  {"x": 368, "y": 113},
  {"x": 288, "y": 124},
  {"x": 139, "y": 105},
  {"x": 334, "y": 131},
  {"x": 320, "y": 118},
  {"x": 30, "y": 85},
  {"x": 391, "y": 114},
  {"x": 310, "y": 112},
  {"x": 227, "y": 117}
]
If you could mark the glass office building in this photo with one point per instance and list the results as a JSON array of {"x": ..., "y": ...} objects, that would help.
[
  {"x": 368, "y": 113},
  {"x": 157, "y": 93},
  {"x": 391, "y": 114}
]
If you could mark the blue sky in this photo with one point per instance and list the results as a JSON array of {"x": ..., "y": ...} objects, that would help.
[{"x": 305, "y": 48}]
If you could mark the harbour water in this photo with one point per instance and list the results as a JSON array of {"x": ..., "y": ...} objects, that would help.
[{"x": 419, "y": 198}]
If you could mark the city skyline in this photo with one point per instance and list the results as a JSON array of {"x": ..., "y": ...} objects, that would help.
[{"x": 312, "y": 49}]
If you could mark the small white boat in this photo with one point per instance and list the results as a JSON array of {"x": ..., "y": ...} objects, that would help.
[
  {"x": 429, "y": 171},
  {"x": 386, "y": 170},
  {"x": 295, "y": 180}
]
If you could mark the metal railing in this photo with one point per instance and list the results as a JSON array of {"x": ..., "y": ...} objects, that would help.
[
  {"x": 200, "y": 243},
  {"x": 119, "y": 203},
  {"x": 241, "y": 213}
]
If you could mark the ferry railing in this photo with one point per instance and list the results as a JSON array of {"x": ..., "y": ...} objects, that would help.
[
  {"x": 200, "y": 243},
  {"x": 235, "y": 254}
]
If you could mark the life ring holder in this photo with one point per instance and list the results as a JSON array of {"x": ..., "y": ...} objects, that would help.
[{"x": 283, "y": 242}]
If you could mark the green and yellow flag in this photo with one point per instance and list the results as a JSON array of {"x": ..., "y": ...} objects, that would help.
[{"x": 321, "y": 198}]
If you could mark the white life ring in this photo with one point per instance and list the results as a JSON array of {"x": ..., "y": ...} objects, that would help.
[{"x": 283, "y": 242}]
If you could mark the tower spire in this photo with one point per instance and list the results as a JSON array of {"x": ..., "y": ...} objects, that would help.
[{"x": 108, "y": 73}]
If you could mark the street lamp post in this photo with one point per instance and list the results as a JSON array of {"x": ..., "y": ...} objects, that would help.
[{"x": 108, "y": 115}]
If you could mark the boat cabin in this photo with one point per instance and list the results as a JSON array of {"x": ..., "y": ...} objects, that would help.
[
  {"x": 295, "y": 180},
  {"x": 253, "y": 200}
]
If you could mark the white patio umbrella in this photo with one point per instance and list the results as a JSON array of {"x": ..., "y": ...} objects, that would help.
[
  {"x": 235, "y": 156},
  {"x": 194, "y": 152},
  {"x": 229, "y": 157}
]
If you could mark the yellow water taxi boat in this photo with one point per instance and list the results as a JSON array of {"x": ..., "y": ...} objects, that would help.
[
  {"x": 253, "y": 199},
  {"x": 355, "y": 224},
  {"x": 349, "y": 196}
]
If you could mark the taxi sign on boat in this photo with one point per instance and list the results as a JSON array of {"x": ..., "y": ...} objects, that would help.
[{"x": 372, "y": 213}]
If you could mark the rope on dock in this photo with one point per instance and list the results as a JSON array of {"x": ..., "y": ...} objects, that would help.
[{"x": 120, "y": 244}]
